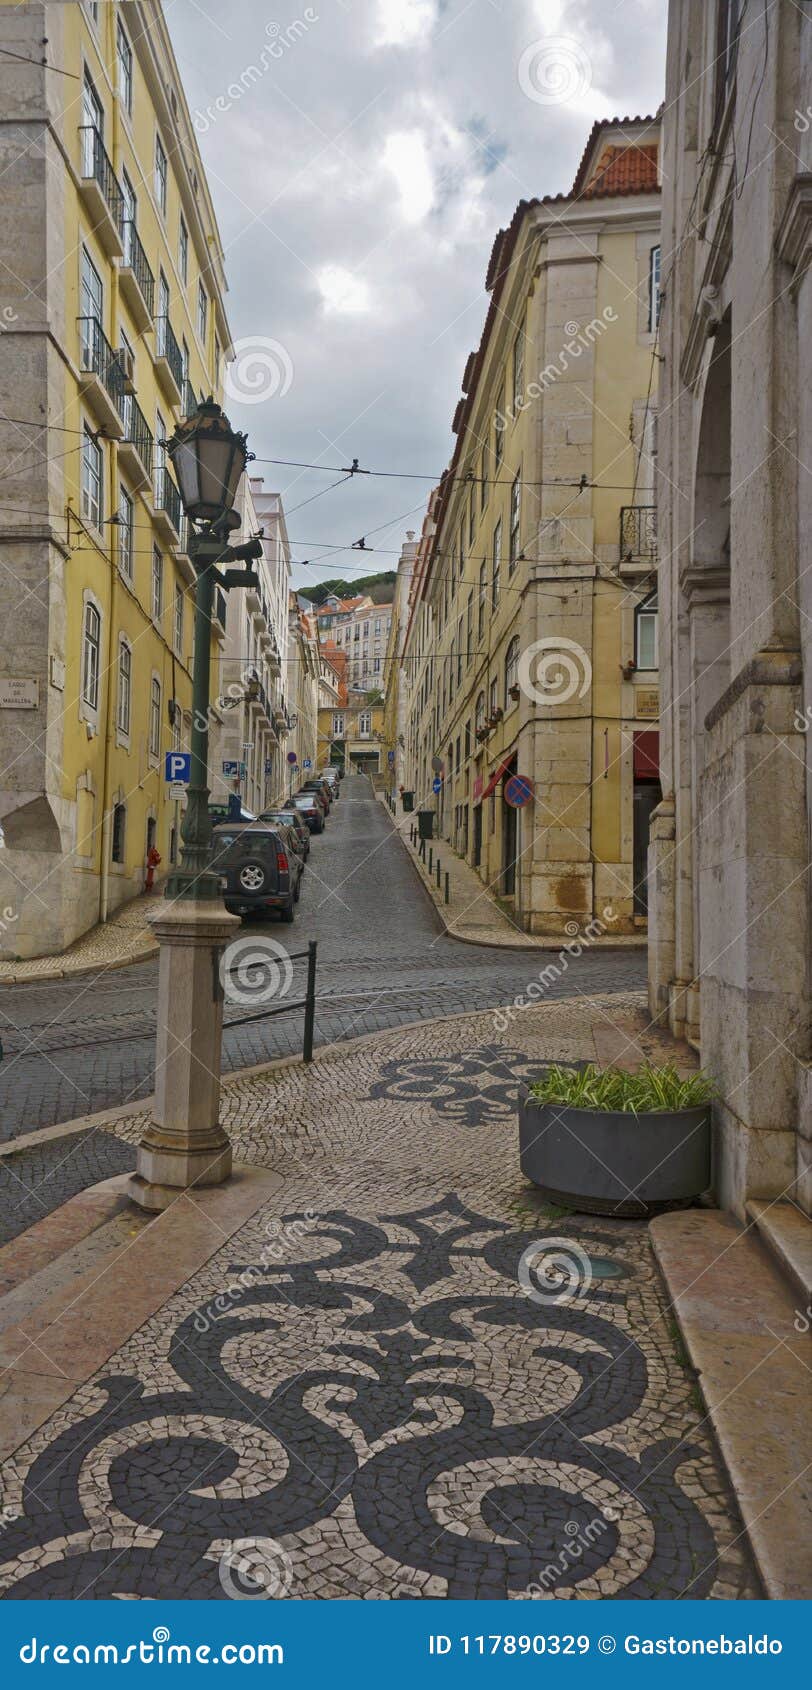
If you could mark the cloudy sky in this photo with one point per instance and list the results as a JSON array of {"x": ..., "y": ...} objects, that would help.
[{"x": 362, "y": 155}]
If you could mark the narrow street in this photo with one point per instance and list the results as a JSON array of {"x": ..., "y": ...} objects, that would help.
[{"x": 74, "y": 1047}]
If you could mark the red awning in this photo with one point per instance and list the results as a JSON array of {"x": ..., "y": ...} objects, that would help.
[
  {"x": 647, "y": 754},
  {"x": 500, "y": 770}
]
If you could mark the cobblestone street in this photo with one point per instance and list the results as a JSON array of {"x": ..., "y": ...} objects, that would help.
[
  {"x": 355, "y": 1396},
  {"x": 77, "y": 1046}
]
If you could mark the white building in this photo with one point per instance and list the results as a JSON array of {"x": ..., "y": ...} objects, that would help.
[
  {"x": 248, "y": 753},
  {"x": 360, "y": 628}
]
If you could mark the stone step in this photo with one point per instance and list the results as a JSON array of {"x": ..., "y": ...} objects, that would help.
[
  {"x": 739, "y": 1321},
  {"x": 78, "y": 1284},
  {"x": 787, "y": 1233}
]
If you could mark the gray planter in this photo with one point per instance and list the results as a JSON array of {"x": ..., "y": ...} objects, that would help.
[{"x": 612, "y": 1163}]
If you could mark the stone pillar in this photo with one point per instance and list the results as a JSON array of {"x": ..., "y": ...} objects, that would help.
[
  {"x": 662, "y": 915},
  {"x": 185, "y": 1144}
]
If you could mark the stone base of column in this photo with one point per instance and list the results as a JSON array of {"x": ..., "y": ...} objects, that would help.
[{"x": 185, "y": 1145}]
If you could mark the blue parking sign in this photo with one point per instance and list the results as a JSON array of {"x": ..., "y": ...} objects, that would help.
[{"x": 178, "y": 766}]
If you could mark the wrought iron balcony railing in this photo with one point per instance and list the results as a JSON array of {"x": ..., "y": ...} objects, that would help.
[
  {"x": 137, "y": 431},
  {"x": 96, "y": 165},
  {"x": 638, "y": 533},
  {"x": 97, "y": 357},
  {"x": 188, "y": 399},
  {"x": 168, "y": 348},
  {"x": 136, "y": 258},
  {"x": 167, "y": 498}
]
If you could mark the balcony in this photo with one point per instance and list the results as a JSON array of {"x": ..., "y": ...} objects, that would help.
[
  {"x": 167, "y": 508},
  {"x": 168, "y": 360},
  {"x": 137, "y": 280},
  {"x": 638, "y": 535},
  {"x": 188, "y": 403},
  {"x": 101, "y": 379},
  {"x": 136, "y": 450},
  {"x": 101, "y": 194}
]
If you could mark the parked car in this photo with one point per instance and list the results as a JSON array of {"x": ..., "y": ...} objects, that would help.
[
  {"x": 258, "y": 869},
  {"x": 309, "y": 806},
  {"x": 230, "y": 813},
  {"x": 319, "y": 785},
  {"x": 319, "y": 794},
  {"x": 331, "y": 778},
  {"x": 292, "y": 818}
]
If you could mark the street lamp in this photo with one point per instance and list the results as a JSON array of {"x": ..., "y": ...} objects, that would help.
[{"x": 184, "y": 1144}]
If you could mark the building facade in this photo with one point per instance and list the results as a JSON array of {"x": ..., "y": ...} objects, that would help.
[
  {"x": 113, "y": 328},
  {"x": 530, "y": 646},
  {"x": 360, "y": 628},
  {"x": 351, "y": 732},
  {"x": 248, "y": 750},
  {"x": 303, "y": 687},
  {"x": 730, "y": 954},
  {"x": 395, "y": 710}
]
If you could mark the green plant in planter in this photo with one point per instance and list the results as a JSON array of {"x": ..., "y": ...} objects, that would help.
[{"x": 648, "y": 1091}]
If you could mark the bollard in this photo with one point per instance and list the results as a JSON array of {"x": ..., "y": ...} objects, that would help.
[
  {"x": 431, "y": 858},
  {"x": 438, "y": 874},
  {"x": 446, "y": 885}
]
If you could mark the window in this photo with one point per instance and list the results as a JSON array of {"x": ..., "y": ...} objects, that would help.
[
  {"x": 155, "y": 718},
  {"x": 497, "y": 563},
  {"x": 124, "y": 57},
  {"x": 479, "y": 713},
  {"x": 518, "y": 372},
  {"x": 469, "y": 630},
  {"x": 467, "y": 739},
  {"x": 646, "y": 633},
  {"x": 366, "y": 630},
  {"x": 515, "y": 521},
  {"x": 183, "y": 251},
  {"x": 159, "y": 457},
  {"x": 376, "y": 666},
  {"x": 653, "y": 288},
  {"x": 365, "y": 724},
  {"x": 493, "y": 697},
  {"x": 459, "y": 652},
  {"x": 483, "y": 599},
  {"x": 338, "y": 726},
  {"x": 179, "y": 620},
  {"x": 483, "y": 479},
  {"x": 125, "y": 533},
  {"x": 202, "y": 311},
  {"x": 462, "y": 548},
  {"x": 157, "y": 584},
  {"x": 92, "y": 479},
  {"x": 125, "y": 668},
  {"x": 498, "y": 438},
  {"x": 161, "y": 174},
  {"x": 218, "y": 353},
  {"x": 91, "y": 651},
  {"x": 92, "y": 127},
  {"x": 471, "y": 520},
  {"x": 377, "y": 625},
  {"x": 91, "y": 311},
  {"x": 119, "y": 829},
  {"x": 511, "y": 670}
]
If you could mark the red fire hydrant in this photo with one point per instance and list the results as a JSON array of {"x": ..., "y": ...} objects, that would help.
[{"x": 153, "y": 859}]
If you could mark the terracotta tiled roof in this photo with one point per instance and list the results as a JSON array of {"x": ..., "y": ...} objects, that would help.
[
  {"x": 584, "y": 169},
  {"x": 624, "y": 170}
]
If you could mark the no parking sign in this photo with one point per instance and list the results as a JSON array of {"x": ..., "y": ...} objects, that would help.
[{"x": 518, "y": 791}]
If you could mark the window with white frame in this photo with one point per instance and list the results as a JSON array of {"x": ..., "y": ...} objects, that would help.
[
  {"x": 515, "y": 521},
  {"x": 157, "y": 584},
  {"x": 179, "y": 597},
  {"x": 202, "y": 311},
  {"x": 183, "y": 250},
  {"x": 653, "y": 288},
  {"x": 646, "y": 633},
  {"x": 124, "y": 61},
  {"x": 155, "y": 718},
  {"x": 338, "y": 725},
  {"x": 479, "y": 713},
  {"x": 91, "y": 656},
  {"x": 161, "y": 174},
  {"x": 365, "y": 724},
  {"x": 497, "y": 564},
  {"x": 125, "y": 676},
  {"x": 92, "y": 479},
  {"x": 125, "y": 533},
  {"x": 511, "y": 670}
]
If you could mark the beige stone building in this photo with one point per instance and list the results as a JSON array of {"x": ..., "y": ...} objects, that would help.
[
  {"x": 531, "y": 647},
  {"x": 730, "y": 953}
]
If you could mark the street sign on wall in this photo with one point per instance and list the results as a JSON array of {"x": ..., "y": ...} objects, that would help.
[
  {"x": 518, "y": 791},
  {"x": 292, "y": 758},
  {"x": 437, "y": 785}
]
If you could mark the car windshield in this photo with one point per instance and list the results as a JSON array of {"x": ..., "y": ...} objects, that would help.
[{"x": 232, "y": 847}]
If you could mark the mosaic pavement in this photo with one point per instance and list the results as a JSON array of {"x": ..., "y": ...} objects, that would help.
[{"x": 357, "y": 1398}]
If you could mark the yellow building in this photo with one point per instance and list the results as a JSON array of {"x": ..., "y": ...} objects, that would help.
[
  {"x": 530, "y": 648},
  {"x": 114, "y": 327},
  {"x": 351, "y": 732}
]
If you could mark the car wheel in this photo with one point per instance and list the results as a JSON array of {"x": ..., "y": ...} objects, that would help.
[
  {"x": 287, "y": 912},
  {"x": 252, "y": 877}
]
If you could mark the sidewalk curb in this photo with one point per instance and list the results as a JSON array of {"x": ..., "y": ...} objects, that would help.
[
  {"x": 107, "y": 1117},
  {"x": 144, "y": 954},
  {"x": 530, "y": 943}
]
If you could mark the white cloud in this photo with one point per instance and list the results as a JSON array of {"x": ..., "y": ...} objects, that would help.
[
  {"x": 404, "y": 23},
  {"x": 343, "y": 293},
  {"x": 406, "y": 156}
]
